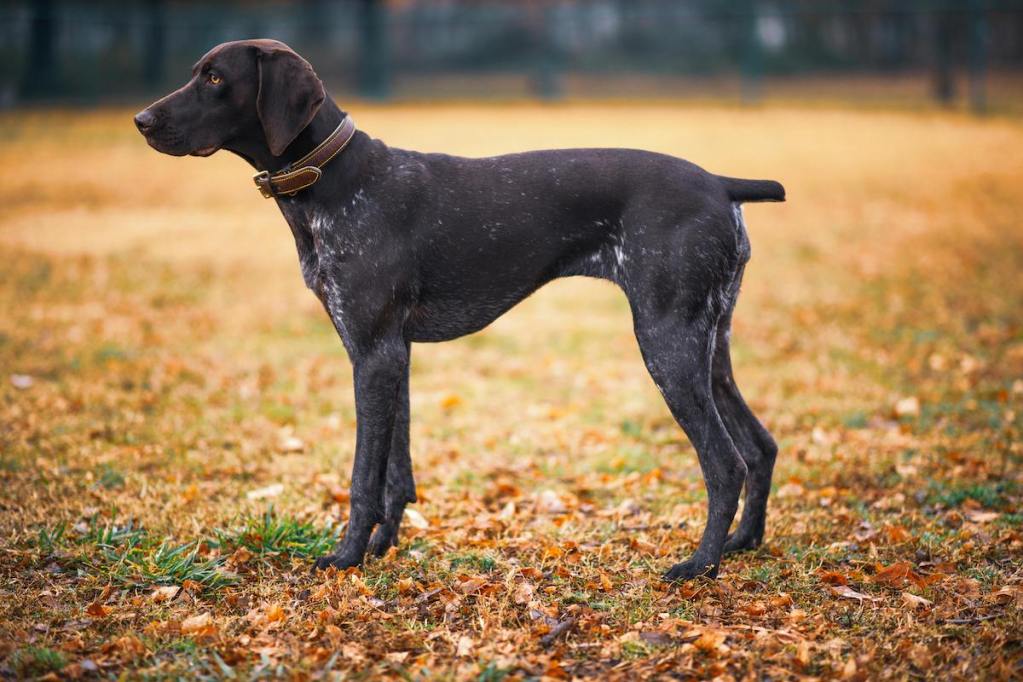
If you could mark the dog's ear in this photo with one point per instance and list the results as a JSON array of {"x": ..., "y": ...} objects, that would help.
[{"x": 289, "y": 95}]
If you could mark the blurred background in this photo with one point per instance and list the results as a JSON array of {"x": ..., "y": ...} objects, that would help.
[
  {"x": 877, "y": 52},
  {"x": 165, "y": 374}
]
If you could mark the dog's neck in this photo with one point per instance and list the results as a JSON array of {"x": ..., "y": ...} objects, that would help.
[{"x": 326, "y": 120}]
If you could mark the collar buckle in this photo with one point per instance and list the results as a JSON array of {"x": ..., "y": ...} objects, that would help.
[{"x": 264, "y": 185}]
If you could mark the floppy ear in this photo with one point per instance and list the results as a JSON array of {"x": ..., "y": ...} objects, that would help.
[{"x": 289, "y": 96}]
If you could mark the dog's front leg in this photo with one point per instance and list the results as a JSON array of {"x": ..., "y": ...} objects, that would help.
[
  {"x": 400, "y": 489},
  {"x": 378, "y": 375}
]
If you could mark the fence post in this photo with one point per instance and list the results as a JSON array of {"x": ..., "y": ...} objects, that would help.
[
  {"x": 978, "y": 57},
  {"x": 944, "y": 75},
  {"x": 153, "y": 61},
  {"x": 546, "y": 80},
  {"x": 40, "y": 78},
  {"x": 373, "y": 73},
  {"x": 751, "y": 55}
]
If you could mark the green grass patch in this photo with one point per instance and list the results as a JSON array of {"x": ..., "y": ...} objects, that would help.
[
  {"x": 110, "y": 478},
  {"x": 989, "y": 495},
  {"x": 128, "y": 555},
  {"x": 34, "y": 661},
  {"x": 477, "y": 562},
  {"x": 272, "y": 535},
  {"x": 49, "y": 540}
]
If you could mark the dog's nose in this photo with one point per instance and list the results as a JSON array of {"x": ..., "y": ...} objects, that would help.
[{"x": 144, "y": 120}]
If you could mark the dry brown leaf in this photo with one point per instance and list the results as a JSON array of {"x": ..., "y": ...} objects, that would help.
[
  {"x": 196, "y": 624},
  {"x": 791, "y": 489},
  {"x": 711, "y": 640},
  {"x": 803, "y": 653},
  {"x": 267, "y": 491},
  {"x": 523, "y": 593},
  {"x": 848, "y": 593},
  {"x": 907, "y": 407},
  {"x": 833, "y": 578},
  {"x": 450, "y": 401},
  {"x": 163, "y": 594},
  {"x": 290, "y": 444},
  {"x": 241, "y": 556},
  {"x": 893, "y": 575},
  {"x": 416, "y": 520},
  {"x": 978, "y": 516},
  {"x": 353, "y": 652},
  {"x": 98, "y": 610},
  {"x": 914, "y": 601}
]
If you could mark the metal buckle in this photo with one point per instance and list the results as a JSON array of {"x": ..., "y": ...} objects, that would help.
[{"x": 264, "y": 184}]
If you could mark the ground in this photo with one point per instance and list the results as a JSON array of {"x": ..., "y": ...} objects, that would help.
[{"x": 178, "y": 422}]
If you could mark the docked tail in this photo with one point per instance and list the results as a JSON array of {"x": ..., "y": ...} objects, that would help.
[{"x": 753, "y": 190}]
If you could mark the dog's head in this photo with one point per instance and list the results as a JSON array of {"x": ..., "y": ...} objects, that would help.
[{"x": 241, "y": 93}]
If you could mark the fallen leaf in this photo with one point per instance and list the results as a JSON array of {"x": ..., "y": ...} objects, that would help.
[
  {"x": 803, "y": 653},
  {"x": 907, "y": 407},
  {"x": 471, "y": 586},
  {"x": 548, "y": 502},
  {"x": 833, "y": 578},
  {"x": 290, "y": 444},
  {"x": 893, "y": 575},
  {"x": 450, "y": 401},
  {"x": 914, "y": 601},
  {"x": 523, "y": 593},
  {"x": 353, "y": 652},
  {"x": 711, "y": 640},
  {"x": 196, "y": 624},
  {"x": 166, "y": 593},
  {"x": 98, "y": 610},
  {"x": 240, "y": 556},
  {"x": 791, "y": 490},
  {"x": 849, "y": 593},
  {"x": 507, "y": 512},
  {"x": 269, "y": 491},
  {"x": 416, "y": 520},
  {"x": 978, "y": 516}
]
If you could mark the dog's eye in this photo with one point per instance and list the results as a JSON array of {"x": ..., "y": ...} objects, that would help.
[{"x": 215, "y": 79}]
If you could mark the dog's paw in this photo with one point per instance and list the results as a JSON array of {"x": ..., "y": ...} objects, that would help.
[
  {"x": 687, "y": 570},
  {"x": 736, "y": 542},
  {"x": 339, "y": 560},
  {"x": 384, "y": 537}
]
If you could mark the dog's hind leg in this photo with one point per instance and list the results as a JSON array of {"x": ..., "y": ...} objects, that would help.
[
  {"x": 678, "y": 348},
  {"x": 401, "y": 486},
  {"x": 755, "y": 445}
]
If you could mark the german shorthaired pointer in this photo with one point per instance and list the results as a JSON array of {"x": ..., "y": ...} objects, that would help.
[{"x": 402, "y": 246}]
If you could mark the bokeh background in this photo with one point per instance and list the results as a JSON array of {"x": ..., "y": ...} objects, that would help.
[
  {"x": 880, "y": 51},
  {"x": 176, "y": 412}
]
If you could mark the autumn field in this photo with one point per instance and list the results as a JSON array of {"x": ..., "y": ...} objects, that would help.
[{"x": 177, "y": 422}]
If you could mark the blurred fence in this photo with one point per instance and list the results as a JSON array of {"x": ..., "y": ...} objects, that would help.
[{"x": 949, "y": 50}]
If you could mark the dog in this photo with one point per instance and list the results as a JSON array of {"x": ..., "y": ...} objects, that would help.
[{"x": 402, "y": 247}]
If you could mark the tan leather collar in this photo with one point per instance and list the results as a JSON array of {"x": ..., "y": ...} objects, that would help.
[{"x": 303, "y": 173}]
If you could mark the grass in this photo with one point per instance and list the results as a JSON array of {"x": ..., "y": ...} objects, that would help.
[
  {"x": 35, "y": 661},
  {"x": 154, "y": 526},
  {"x": 270, "y": 534}
]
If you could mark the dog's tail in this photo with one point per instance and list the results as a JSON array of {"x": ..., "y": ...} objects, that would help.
[{"x": 753, "y": 190}]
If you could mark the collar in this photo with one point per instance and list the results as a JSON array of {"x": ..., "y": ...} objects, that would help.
[{"x": 299, "y": 175}]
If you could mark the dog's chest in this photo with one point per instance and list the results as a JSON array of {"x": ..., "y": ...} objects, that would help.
[{"x": 332, "y": 247}]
